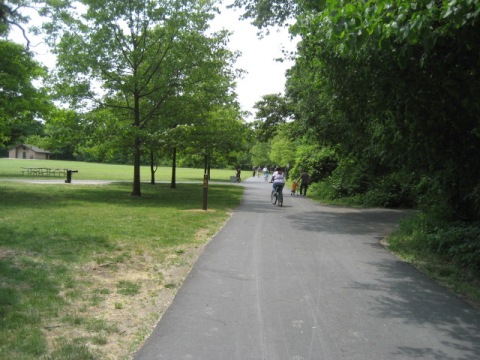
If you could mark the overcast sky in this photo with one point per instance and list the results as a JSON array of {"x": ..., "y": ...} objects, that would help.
[{"x": 265, "y": 75}]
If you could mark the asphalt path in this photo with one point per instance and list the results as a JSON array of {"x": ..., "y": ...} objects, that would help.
[{"x": 309, "y": 282}]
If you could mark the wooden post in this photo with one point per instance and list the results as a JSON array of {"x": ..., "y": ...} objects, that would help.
[{"x": 205, "y": 191}]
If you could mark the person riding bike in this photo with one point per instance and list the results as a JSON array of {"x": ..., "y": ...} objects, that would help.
[{"x": 278, "y": 180}]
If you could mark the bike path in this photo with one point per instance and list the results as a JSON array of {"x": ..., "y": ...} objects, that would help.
[{"x": 309, "y": 282}]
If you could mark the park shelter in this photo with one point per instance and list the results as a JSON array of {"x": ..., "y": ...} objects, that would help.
[{"x": 24, "y": 151}]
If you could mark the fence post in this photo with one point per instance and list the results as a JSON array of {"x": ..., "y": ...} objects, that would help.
[{"x": 205, "y": 191}]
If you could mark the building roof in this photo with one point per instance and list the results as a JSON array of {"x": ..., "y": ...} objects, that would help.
[{"x": 33, "y": 148}]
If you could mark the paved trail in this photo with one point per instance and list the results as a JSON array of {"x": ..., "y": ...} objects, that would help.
[{"x": 309, "y": 282}]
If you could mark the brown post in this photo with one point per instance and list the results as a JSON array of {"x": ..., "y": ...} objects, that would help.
[{"x": 205, "y": 191}]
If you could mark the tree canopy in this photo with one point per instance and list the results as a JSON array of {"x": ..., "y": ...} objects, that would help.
[
  {"x": 136, "y": 58},
  {"x": 21, "y": 103},
  {"x": 393, "y": 88}
]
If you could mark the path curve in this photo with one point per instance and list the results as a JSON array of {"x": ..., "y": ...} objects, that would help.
[{"x": 309, "y": 282}]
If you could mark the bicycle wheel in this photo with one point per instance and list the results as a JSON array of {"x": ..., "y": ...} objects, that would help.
[
  {"x": 273, "y": 197},
  {"x": 280, "y": 198}
]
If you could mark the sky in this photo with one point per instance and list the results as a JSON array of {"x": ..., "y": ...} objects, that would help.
[{"x": 263, "y": 74}]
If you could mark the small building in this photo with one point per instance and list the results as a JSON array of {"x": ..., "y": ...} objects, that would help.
[{"x": 24, "y": 151}]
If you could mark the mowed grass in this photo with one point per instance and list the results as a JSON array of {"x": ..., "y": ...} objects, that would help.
[
  {"x": 71, "y": 254},
  {"x": 12, "y": 168}
]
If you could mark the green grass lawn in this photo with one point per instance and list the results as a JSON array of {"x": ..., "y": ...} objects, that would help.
[
  {"x": 12, "y": 168},
  {"x": 81, "y": 265}
]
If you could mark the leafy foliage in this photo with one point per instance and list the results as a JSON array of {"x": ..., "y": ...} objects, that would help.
[
  {"x": 317, "y": 161},
  {"x": 11, "y": 15},
  {"x": 21, "y": 102},
  {"x": 459, "y": 243},
  {"x": 272, "y": 111},
  {"x": 144, "y": 60},
  {"x": 271, "y": 12},
  {"x": 393, "y": 86},
  {"x": 259, "y": 154}
]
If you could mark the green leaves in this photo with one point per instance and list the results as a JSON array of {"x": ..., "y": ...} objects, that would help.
[
  {"x": 392, "y": 85},
  {"x": 21, "y": 102},
  {"x": 150, "y": 62},
  {"x": 272, "y": 111}
]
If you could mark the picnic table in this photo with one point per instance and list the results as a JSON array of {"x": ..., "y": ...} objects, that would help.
[{"x": 43, "y": 171}]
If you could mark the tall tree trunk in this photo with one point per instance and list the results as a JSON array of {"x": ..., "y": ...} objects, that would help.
[
  {"x": 137, "y": 149},
  {"x": 173, "y": 184},
  {"x": 136, "y": 168},
  {"x": 209, "y": 166},
  {"x": 152, "y": 167}
]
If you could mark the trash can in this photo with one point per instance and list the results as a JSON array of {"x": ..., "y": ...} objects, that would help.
[{"x": 69, "y": 175}]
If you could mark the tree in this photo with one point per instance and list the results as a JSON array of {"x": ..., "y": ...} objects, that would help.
[
  {"x": 11, "y": 15},
  {"x": 267, "y": 13},
  {"x": 282, "y": 147},
  {"x": 391, "y": 86},
  {"x": 221, "y": 134},
  {"x": 272, "y": 111},
  {"x": 22, "y": 104},
  {"x": 402, "y": 82},
  {"x": 206, "y": 92},
  {"x": 260, "y": 153},
  {"x": 131, "y": 57}
]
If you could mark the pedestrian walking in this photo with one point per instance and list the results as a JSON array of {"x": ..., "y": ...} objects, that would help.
[{"x": 304, "y": 182}]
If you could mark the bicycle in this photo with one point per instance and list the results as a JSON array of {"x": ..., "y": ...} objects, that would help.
[{"x": 277, "y": 196}]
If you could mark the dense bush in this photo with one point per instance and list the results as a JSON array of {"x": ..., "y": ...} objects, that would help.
[
  {"x": 348, "y": 179},
  {"x": 459, "y": 242},
  {"x": 318, "y": 162},
  {"x": 395, "y": 190},
  {"x": 455, "y": 242}
]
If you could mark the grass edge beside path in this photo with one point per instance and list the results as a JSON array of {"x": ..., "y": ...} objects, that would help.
[
  {"x": 408, "y": 244},
  {"x": 88, "y": 272}
]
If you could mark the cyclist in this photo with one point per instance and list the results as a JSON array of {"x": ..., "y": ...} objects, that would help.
[{"x": 278, "y": 180}]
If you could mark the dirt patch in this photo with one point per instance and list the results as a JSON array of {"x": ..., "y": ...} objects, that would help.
[{"x": 113, "y": 321}]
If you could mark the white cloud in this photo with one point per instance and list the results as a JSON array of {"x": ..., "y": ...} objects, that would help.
[{"x": 264, "y": 74}]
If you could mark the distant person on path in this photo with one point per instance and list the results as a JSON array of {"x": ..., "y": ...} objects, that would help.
[
  {"x": 239, "y": 172},
  {"x": 278, "y": 180},
  {"x": 265, "y": 172},
  {"x": 294, "y": 188},
  {"x": 304, "y": 182},
  {"x": 254, "y": 170},
  {"x": 258, "y": 171}
]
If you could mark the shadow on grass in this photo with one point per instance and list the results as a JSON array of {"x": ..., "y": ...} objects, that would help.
[
  {"x": 185, "y": 196},
  {"x": 68, "y": 247}
]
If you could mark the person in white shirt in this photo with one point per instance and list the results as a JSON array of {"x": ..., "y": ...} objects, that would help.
[
  {"x": 278, "y": 180},
  {"x": 265, "y": 173}
]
